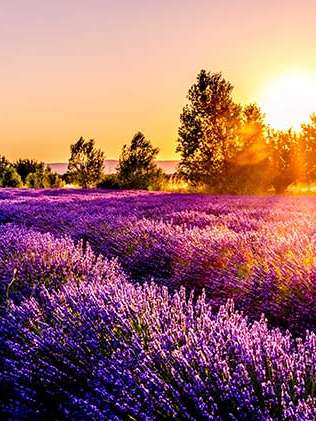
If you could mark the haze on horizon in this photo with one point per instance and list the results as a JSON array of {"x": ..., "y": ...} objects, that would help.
[{"x": 103, "y": 69}]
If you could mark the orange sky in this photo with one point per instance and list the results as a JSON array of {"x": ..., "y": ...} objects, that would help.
[{"x": 106, "y": 69}]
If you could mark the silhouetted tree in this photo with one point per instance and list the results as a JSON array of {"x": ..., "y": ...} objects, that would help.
[
  {"x": 137, "y": 167},
  {"x": 209, "y": 130},
  {"x": 24, "y": 167},
  {"x": 86, "y": 163}
]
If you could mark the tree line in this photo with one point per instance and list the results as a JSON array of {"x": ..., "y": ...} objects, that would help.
[
  {"x": 229, "y": 148},
  {"x": 28, "y": 173},
  {"x": 224, "y": 147},
  {"x": 137, "y": 168}
]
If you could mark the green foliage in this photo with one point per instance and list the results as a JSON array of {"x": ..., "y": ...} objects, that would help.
[
  {"x": 24, "y": 167},
  {"x": 53, "y": 180},
  {"x": 224, "y": 148},
  {"x": 43, "y": 179},
  {"x": 10, "y": 178},
  {"x": 35, "y": 180},
  {"x": 137, "y": 168},
  {"x": 109, "y": 181},
  {"x": 222, "y": 145},
  {"x": 229, "y": 149},
  {"x": 209, "y": 128},
  {"x": 86, "y": 163}
]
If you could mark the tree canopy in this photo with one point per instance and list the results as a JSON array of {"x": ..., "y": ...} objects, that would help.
[
  {"x": 230, "y": 149},
  {"x": 209, "y": 126},
  {"x": 86, "y": 163},
  {"x": 10, "y": 178},
  {"x": 137, "y": 167},
  {"x": 24, "y": 167}
]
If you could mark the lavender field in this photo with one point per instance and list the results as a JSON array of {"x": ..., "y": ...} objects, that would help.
[{"x": 156, "y": 306}]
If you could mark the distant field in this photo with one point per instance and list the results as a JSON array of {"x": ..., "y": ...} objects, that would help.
[{"x": 108, "y": 335}]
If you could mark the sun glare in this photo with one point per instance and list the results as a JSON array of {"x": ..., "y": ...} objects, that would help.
[{"x": 289, "y": 100}]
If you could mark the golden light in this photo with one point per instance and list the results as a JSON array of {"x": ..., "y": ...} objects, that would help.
[{"x": 289, "y": 100}]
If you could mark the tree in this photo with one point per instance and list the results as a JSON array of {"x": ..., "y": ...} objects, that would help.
[
  {"x": 209, "y": 130},
  {"x": 36, "y": 174},
  {"x": 286, "y": 167},
  {"x": 8, "y": 175},
  {"x": 53, "y": 180},
  {"x": 43, "y": 179},
  {"x": 24, "y": 167},
  {"x": 308, "y": 149},
  {"x": 253, "y": 133},
  {"x": 137, "y": 167},
  {"x": 35, "y": 180},
  {"x": 109, "y": 181},
  {"x": 86, "y": 163},
  {"x": 250, "y": 169},
  {"x": 4, "y": 163},
  {"x": 10, "y": 178}
]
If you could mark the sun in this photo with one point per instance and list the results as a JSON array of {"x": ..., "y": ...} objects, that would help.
[{"x": 289, "y": 100}]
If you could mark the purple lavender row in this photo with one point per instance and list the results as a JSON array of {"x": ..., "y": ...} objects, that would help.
[
  {"x": 86, "y": 343},
  {"x": 258, "y": 251}
]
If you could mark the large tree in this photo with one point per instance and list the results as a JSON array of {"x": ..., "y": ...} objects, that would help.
[
  {"x": 209, "y": 129},
  {"x": 86, "y": 163},
  {"x": 137, "y": 167}
]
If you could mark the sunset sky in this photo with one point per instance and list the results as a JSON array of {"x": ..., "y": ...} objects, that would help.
[{"x": 106, "y": 69}]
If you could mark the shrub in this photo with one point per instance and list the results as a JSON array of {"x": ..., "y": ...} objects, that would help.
[
  {"x": 137, "y": 168},
  {"x": 10, "y": 178},
  {"x": 109, "y": 181}
]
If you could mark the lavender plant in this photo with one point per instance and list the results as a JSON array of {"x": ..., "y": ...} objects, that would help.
[
  {"x": 86, "y": 336},
  {"x": 30, "y": 260},
  {"x": 122, "y": 351},
  {"x": 258, "y": 251}
]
